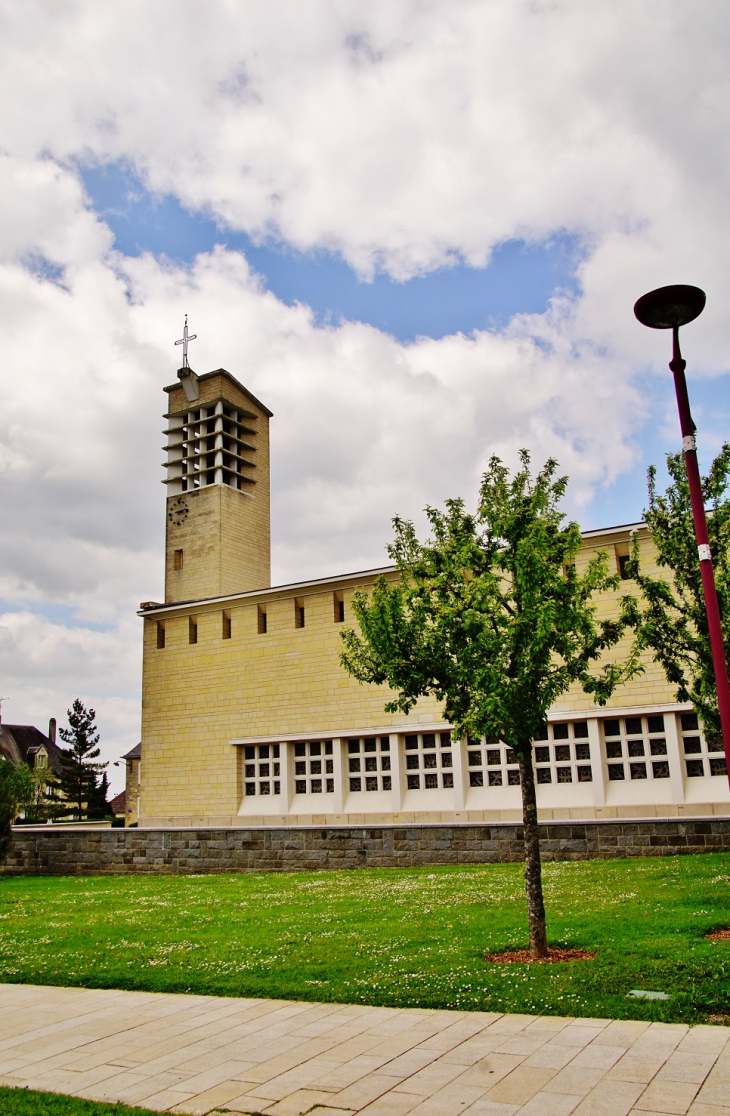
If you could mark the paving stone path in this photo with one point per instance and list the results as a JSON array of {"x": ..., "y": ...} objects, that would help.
[{"x": 202, "y": 1054}]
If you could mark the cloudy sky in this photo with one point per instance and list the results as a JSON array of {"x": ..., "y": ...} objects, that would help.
[{"x": 414, "y": 228}]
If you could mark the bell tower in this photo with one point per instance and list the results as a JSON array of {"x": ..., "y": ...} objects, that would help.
[{"x": 218, "y": 537}]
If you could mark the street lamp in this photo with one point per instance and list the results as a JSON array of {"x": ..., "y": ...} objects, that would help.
[{"x": 670, "y": 308}]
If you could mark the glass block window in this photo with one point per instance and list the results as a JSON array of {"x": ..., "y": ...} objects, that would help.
[
  {"x": 314, "y": 767},
  {"x": 368, "y": 764},
  {"x": 428, "y": 760},
  {"x": 636, "y": 748},
  {"x": 491, "y": 764},
  {"x": 261, "y": 769},
  {"x": 701, "y": 756},
  {"x": 563, "y": 754}
]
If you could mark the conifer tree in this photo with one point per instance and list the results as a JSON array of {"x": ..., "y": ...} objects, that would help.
[
  {"x": 98, "y": 805},
  {"x": 492, "y": 618},
  {"x": 79, "y": 769}
]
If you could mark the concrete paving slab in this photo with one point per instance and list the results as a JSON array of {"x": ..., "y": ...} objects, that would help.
[{"x": 201, "y": 1055}]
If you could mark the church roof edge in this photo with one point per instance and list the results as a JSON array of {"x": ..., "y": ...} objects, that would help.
[{"x": 234, "y": 381}]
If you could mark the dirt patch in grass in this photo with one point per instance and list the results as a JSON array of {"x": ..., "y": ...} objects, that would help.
[
  {"x": 722, "y": 935},
  {"x": 522, "y": 957}
]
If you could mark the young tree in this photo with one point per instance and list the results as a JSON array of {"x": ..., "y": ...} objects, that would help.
[
  {"x": 21, "y": 778},
  {"x": 673, "y": 619},
  {"x": 492, "y": 618},
  {"x": 45, "y": 799},
  {"x": 79, "y": 769},
  {"x": 8, "y": 806},
  {"x": 33, "y": 788}
]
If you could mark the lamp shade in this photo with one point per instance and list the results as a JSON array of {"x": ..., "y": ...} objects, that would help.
[{"x": 670, "y": 306}]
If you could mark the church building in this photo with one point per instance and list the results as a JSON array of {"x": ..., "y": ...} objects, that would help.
[{"x": 248, "y": 719}]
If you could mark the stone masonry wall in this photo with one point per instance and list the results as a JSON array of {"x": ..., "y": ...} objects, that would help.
[{"x": 160, "y": 851}]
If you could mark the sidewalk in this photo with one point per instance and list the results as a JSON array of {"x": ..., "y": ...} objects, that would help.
[{"x": 199, "y": 1054}]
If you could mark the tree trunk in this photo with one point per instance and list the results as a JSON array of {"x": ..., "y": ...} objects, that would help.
[{"x": 533, "y": 867}]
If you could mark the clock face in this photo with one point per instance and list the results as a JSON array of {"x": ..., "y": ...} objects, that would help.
[{"x": 179, "y": 511}]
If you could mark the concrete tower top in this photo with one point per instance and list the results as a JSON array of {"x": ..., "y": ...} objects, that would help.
[{"x": 218, "y": 503}]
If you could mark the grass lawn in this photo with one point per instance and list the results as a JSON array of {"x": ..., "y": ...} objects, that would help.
[
  {"x": 401, "y": 937},
  {"x": 32, "y": 1102}
]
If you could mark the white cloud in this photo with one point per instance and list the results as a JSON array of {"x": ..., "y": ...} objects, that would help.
[
  {"x": 400, "y": 132},
  {"x": 405, "y": 135}
]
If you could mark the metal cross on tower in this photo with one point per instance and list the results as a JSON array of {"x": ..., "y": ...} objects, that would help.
[{"x": 184, "y": 342}]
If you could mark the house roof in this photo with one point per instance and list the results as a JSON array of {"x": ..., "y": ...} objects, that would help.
[
  {"x": 118, "y": 804},
  {"x": 136, "y": 752},
  {"x": 20, "y": 744}
]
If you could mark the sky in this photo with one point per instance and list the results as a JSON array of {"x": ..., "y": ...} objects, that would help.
[{"x": 414, "y": 228}]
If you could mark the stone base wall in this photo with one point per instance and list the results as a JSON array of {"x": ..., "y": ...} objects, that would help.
[{"x": 159, "y": 851}]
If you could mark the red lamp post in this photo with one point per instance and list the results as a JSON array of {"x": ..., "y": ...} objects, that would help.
[{"x": 670, "y": 308}]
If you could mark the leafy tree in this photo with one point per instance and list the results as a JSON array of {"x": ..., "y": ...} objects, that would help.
[
  {"x": 39, "y": 795},
  {"x": 29, "y": 787},
  {"x": 21, "y": 778},
  {"x": 8, "y": 806},
  {"x": 79, "y": 769},
  {"x": 492, "y": 618},
  {"x": 673, "y": 619}
]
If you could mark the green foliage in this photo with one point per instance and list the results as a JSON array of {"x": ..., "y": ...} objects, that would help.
[
  {"x": 673, "y": 620},
  {"x": 98, "y": 805},
  {"x": 491, "y": 616},
  {"x": 36, "y": 792},
  {"x": 46, "y": 801},
  {"x": 8, "y": 805},
  {"x": 77, "y": 780},
  {"x": 403, "y": 937},
  {"x": 21, "y": 778}
]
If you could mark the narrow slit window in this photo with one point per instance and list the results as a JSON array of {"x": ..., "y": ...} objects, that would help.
[
  {"x": 339, "y": 608},
  {"x": 298, "y": 614},
  {"x": 262, "y": 621},
  {"x": 192, "y": 630},
  {"x": 623, "y": 558},
  {"x": 178, "y": 559},
  {"x": 226, "y": 632},
  {"x": 160, "y": 635}
]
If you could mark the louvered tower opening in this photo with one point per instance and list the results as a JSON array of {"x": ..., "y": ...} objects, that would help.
[{"x": 211, "y": 444}]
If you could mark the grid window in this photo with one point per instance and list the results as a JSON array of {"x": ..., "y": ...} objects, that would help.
[
  {"x": 368, "y": 764},
  {"x": 429, "y": 760},
  {"x": 634, "y": 747},
  {"x": 313, "y": 763},
  {"x": 491, "y": 764},
  {"x": 700, "y": 754},
  {"x": 262, "y": 769},
  {"x": 558, "y": 755}
]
